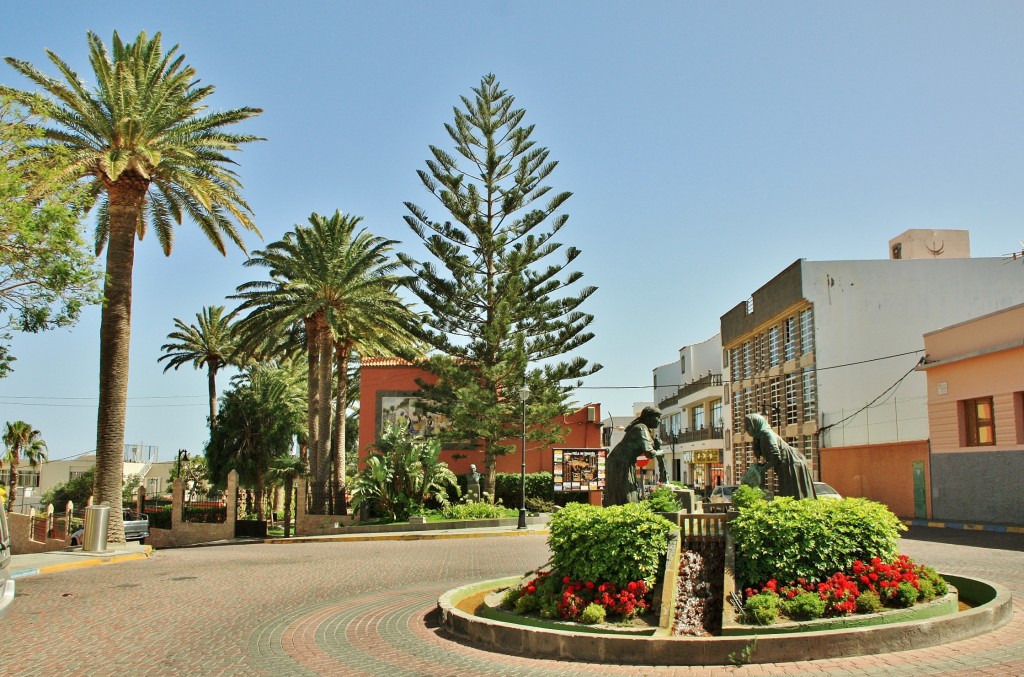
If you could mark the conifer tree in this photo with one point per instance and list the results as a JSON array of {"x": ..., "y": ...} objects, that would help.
[{"x": 504, "y": 306}]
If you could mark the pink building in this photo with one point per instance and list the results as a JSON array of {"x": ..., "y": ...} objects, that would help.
[{"x": 975, "y": 373}]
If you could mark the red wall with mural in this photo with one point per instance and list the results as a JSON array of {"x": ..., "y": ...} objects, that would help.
[{"x": 392, "y": 378}]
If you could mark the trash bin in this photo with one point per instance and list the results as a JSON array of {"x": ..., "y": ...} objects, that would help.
[{"x": 97, "y": 518}]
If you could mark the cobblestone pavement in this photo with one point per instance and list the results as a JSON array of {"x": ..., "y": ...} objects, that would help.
[{"x": 365, "y": 608}]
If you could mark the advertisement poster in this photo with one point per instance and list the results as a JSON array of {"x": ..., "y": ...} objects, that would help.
[{"x": 579, "y": 469}]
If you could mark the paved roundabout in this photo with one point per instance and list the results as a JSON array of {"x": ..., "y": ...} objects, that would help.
[{"x": 367, "y": 608}]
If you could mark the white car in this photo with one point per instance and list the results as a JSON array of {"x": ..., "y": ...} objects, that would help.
[
  {"x": 6, "y": 582},
  {"x": 822, "y": 490},
  {"x": 720, "y": 499}
]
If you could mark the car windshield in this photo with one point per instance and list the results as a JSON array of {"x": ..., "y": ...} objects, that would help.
[{"x": 822, "y": 488}]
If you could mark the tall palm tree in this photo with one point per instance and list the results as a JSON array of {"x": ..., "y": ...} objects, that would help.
[
  {"x": 340, "y": 285},
  {"x": 151, "y": 153},
  {"x": 21, "y": 440},
  {"x": 208, "y": 343}
]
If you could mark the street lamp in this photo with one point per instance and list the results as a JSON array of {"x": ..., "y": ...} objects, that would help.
[{"x": 524, "y": 395}]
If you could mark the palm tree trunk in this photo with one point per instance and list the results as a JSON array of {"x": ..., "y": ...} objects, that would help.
[
  {"x": 288, "y": 506},
  {"x": 211, "y": 382},
  {"x": 312, "y": 395},
  {"x": 338, "y": 439},
  {"x": 13, "y": 484},
  {"x": 126, "y": 197},
  {"x": 324, "y": 404}
]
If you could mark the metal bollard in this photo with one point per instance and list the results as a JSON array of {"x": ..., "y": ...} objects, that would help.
[{"x": 97, "y": 518}]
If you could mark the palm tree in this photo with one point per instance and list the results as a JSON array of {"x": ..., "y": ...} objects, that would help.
[
  {"x": 151, "y": 153},
  {"x": 285, "y": 470},
  {"x": 20, "y": 439},
  {"x": 340, "y": 285},
  {"x": 211, "y": 343}
]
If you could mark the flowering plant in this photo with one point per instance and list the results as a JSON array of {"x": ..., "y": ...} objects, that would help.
[
  {"x": 899, "y": 583},
  {"x": 567, "y": 599}
]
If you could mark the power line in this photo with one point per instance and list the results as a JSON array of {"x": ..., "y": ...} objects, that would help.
[
  {"x": 868, "y": 405},
  {"x": 93, "y": 406},
  {"x": 94, "y": 397},
  {"x": 759, "y": 378}
]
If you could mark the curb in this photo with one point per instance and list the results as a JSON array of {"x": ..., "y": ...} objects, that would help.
[
  {"x": 994, "y": 528},
  {"x": 98, "y": 561},
  {"x": 404, "y": 536}
]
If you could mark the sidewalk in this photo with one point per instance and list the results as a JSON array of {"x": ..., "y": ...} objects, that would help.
[{"x": 61, "y": 560}]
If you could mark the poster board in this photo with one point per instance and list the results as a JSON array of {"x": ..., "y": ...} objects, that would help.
[{"x": 579, "y": 469}]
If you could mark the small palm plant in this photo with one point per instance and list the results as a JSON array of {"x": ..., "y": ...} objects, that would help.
[{"x": 402, "y": 474}]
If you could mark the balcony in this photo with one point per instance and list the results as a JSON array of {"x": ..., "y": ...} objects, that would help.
[
  {"x": 692, "y": 387},
  {"x": 682, "y": 437}
]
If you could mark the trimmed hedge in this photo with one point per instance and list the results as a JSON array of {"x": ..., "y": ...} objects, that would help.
[
  {"x": 619, "y": 544},
  {"x": 788, "y": 539}
]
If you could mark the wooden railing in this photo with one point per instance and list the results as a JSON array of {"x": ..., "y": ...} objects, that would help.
[{"x": 702, "y": 528}]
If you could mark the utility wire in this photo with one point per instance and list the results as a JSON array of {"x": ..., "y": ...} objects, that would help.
[{"x": 868, "y": 405}]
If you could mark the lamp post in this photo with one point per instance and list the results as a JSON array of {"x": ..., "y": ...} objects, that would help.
[{"x": 524, "y": 395}]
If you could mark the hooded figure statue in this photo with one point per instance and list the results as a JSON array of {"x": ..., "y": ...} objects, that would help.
[
  {"x": 620, "y": 486},
  {"x": 789, "y": 464}
]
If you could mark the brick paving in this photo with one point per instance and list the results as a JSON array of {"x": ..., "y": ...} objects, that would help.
[{"x": 366, "y": 608}]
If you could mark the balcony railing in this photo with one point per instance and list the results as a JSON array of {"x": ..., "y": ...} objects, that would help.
[
  {"x": 692, "y": 387},
  {"x": 714, "y": 433}
]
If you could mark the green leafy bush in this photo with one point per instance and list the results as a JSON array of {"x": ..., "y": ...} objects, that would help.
[
  {"x": 869, "y": 603},
  {"x": 804, "y": 607},
  {"x": 538, "y": 485},
  {"x": 906, "y": 595},
  {"x": 762, "y": 609},
  {"x": 619, "y": 544},
  {"x": 662, "y": 499},
  {"x": 745, "y": 496},
  {"x": 789, "y": 539},
  {"x": 593, "y": 613},
  {"x": 477, "y": 510},
  {"x": 539, "y": 505},
  {"x": 939, "y": 586}
]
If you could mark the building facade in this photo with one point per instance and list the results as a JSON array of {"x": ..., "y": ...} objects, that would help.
[
  {"x": 975, "y": 380},
  {"x": 690, "y": 396},
  {"x": 389, "y": 391},
  {"x": 826, "y": 350}
]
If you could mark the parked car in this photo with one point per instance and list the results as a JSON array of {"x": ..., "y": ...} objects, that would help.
[
  {"x": 822, "y": 490},
  {"x": 6, "y": 582},
  {"x": 136, "y": 528},
  {"x": 721, "y": 498}
]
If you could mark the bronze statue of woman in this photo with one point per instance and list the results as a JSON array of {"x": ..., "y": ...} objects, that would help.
[{"x": 790, "y": 466}]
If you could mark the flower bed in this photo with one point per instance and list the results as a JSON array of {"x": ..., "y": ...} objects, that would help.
[{"x": 866, "y": 588}]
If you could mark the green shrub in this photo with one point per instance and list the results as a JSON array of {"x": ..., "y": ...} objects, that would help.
[
  {"x": 906, "y": 595},
  {"x": 527, "y": 604},
  {"x": 593, "y": 613},
  {"x": 868, "y": 603},
  {"x": 539, "y": 505},
  {"x": 762, "y": 608},
  {"x": 804, "y": 607},
  {"x": 477, "y": 510},
  {"x": 619, "y": 544},
  {"x": 939, "y": 586},
  {"x": 509, "y": 599},
  {"x": 745, "y": 496},
  {"x": 788, "y": 539},
  {"x": 926, "y": 591},
  {"x": 662, "y": 499},
  {"x": 507, "y": 488}
]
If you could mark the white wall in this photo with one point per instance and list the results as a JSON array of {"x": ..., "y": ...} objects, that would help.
[{"x": 864, "y": 310}]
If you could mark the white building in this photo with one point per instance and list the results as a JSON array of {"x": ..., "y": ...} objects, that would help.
[
  {"x": 689, "y": 394},
  {"x": 827, "y": 349}
]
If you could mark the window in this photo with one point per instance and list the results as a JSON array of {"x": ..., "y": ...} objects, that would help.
[
  {"x": 810, "y": 394},
  {"x": 676, "y": 422},
  {"x": 979, "y": 422},
  {"x": 789, "y": 338},
  {"x": 736, "y": 364},
  {"x": 806, "y": 331},
  {"x": 28, "y": 478},
  {"x": 746, "y": 360},
  {"x": 716, "y": 414},
  {"x": 792, "y": 405},
  {"x": 698, "y": 417},
  {"x": 72, "y": 474},
  {"x": 773, "y": 346}
]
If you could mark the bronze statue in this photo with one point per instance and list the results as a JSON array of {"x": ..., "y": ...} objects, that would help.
[
  {"x": 620, "y": 485},
  {"x": 472, "y": 484},
  {"x": 790, "y": 466}
]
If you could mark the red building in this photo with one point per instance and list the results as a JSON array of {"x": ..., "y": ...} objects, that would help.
[{"x": 388, "y": 390}]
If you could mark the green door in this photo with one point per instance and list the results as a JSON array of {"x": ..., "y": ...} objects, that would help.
[{"x": 920, "y": 495}]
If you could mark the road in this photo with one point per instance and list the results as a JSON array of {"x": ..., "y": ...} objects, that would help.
[{"x": 365, "y": 608}]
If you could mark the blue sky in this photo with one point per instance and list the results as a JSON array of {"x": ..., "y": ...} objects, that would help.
[{"x": 707, "y": 145}]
